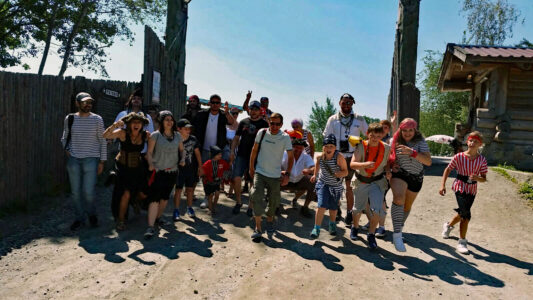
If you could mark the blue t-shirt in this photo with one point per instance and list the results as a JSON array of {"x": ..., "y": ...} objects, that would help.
[{"x": 271, "y": 152}]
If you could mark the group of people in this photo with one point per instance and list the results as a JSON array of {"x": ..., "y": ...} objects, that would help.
[{"x": 359, "y": 160}]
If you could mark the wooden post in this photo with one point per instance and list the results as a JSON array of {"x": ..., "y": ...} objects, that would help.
[
  {"x": 404, "y": 97},
  {"x": 176, "y": 32}
]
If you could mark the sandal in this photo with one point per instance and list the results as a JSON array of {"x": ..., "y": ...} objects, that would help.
[{"x": 121, "y": 226}]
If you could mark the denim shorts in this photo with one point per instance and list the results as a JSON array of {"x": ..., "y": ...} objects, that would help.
[
  {"x": 240, "y": 166},
  {"x": 326, "y": 199}
]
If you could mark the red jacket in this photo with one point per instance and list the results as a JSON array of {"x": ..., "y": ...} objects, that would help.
[{"x": 208, "y": 170}]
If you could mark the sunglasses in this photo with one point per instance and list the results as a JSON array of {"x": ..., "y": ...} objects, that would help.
[
  {"x": 215, "y": 102},
  {"x": 234, "y": 113},
  {"x": 275, "y": 123}
]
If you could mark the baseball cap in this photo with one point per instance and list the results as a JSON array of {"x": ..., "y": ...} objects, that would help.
[
  {"x": 184, "y": 123},
  {"x": 254, "y": 104},
  {"x": 83, "y": 96}
]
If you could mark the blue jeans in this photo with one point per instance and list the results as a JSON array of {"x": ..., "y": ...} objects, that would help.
[{"x": 82, "y": 173}]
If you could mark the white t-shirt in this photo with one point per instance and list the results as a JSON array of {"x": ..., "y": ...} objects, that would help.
[
  {"x": 305, "y": 161},
  {"x": 271, "y": 152},
  {"x": 211, "y": 131},
  {"x": 149, "y": 126},
  {"x": 334, "y": 126}
]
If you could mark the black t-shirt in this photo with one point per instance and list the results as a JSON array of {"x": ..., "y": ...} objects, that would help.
[
  {"x": 247, "y": 131},
  {"x": 189, "y": 145}
]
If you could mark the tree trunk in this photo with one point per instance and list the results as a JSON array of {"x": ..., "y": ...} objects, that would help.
[
  {"x": 73, "y": 33},
  {"x": 51, "y": 25}
]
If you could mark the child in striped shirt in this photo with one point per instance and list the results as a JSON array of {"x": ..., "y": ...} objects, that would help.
[{"x": 471, "y": 168}]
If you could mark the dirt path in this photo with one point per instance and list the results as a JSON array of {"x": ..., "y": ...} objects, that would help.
[{"x": 214, "y": 258}]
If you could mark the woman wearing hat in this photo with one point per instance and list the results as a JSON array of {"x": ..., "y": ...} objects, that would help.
[{"x": 130, "y": 172}]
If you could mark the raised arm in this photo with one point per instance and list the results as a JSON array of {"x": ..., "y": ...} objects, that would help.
[
  {"x": 115, "y": 131},
  {"x": 245, "y": 104}
]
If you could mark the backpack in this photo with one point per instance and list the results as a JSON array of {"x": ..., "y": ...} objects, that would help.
[{"x": 70, "y": 119}]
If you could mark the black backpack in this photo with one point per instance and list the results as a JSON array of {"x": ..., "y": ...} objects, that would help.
[{"x": 70, "y": 122}]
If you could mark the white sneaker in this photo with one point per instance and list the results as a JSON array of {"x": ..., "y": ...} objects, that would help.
[
  {"x": 398, "y": 242},
  {"x": 446, "y": 229},
  {"x": 462, "y": 246},
  {"x": 203, "y": 204}
]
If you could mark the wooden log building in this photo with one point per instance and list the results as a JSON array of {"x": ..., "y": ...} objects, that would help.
[{"x": 500, "y": 80}]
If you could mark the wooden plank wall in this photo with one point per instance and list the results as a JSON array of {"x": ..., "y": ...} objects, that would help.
[
  {"x": 32, "y": 112},
  {"x": 173, "y": 92}
]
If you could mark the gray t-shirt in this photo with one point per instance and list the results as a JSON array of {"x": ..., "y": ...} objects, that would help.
[
  {"x": 271, "y": 152},
  {"x": 166, "y": 153},
  {"x": 409, "y": 163}
]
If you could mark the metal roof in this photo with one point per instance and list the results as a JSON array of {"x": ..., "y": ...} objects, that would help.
[{"x": 494, "y": 51}]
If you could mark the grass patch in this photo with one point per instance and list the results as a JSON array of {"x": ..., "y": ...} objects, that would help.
[
  {"x": 504, "y": 173},
  {"x": 507, "y": 167},
  {"x": 526, "y": 190}
]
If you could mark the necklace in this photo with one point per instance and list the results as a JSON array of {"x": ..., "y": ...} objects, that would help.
[{"x": 169, "y": 137}]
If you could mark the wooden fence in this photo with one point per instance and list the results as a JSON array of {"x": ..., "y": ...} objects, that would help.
[{"x": 32, "y": 112}]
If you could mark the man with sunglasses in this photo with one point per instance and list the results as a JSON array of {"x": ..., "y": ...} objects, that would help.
[
  {"x": 344, "y": 124},
  {"x": 210, "y": 126},
  {"x": 86, "y": 150},
  {"x": 269, "y": 146},
  {"x": 243, "y": 142}
]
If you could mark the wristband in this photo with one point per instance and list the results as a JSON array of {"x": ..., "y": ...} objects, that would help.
[{"x": 414, "y": 154}]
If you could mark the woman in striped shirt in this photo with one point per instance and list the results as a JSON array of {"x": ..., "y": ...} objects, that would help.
[
  {"x": 330, "y": 169},
  {"x": 409, "y": 155},
  {"x": 471, "y": 167}
]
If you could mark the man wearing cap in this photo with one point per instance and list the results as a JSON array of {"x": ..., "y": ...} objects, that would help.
[
  {"x": 86, "y": 151},
  {"x": 300, "y": 175},
  {"x": 193, "y": 107},
  {"x": 265, "y": 112},
  {"x": 344, "y": 124},
  {"x": 243, "y": 142}
]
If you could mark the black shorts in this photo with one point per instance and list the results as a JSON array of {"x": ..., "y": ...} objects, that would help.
[
  {"x": 414, "y": 182},
  {"x": 211, "y": 187},
  {"x": 162, "y": 186},
  {"x": 187, "y": 177},
  {"x": 464, "y": 201}
]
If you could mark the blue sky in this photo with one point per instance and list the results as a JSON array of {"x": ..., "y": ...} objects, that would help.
[{"x": 296, "y": 52}]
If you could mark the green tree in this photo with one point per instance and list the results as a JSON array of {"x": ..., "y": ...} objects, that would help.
[
  {"x": 84, "y": 29},
  {"x": 489, "y": 22},
  {"x": 439, "y": 111},
  {"x": 318, "y": 119}
]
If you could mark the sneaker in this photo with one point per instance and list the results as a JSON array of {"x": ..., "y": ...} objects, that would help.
[
  {"x": 338, "y": 218},
  {"x": 294, "y": 203},
  {"x": 256, "y": 236},
  {"x": 93, "y": 220},
  {"x": 245, "y": 189},
  {"x": 380, "y": 232},
  {"x": 332, "y": 228},
  {"x": 270, "y": 227},
  {"x": 353, "y": 233},
  {"x": 372, "y": 244},
  {"x": 315, "y": 232},
  {"x": 349, "y": 218},
  {"x": 365, "y": 227},
  {"x": 250, "y": 212},
  {"x": 203, "y": 204},
  {"x": 176, "y": 215},
  {"x": 190, "y": 212},
  {"x": 446, "y": 229},
  {"x": 75, "y": 225},
  {"x": 149, "y": 233},
  {"x": 304, "y": 211},
  {"x": 462, "y": 246},
  {"x": 398, "y": 242},
  {"x": 162, "y": 221},
  {"x": 237, "y": 208},
  {"x": 121, "y": 226}
]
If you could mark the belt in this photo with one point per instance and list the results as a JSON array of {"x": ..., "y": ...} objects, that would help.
[
  {"x": 465, "y": 179},
  {"x": 364, "y": 179}
]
